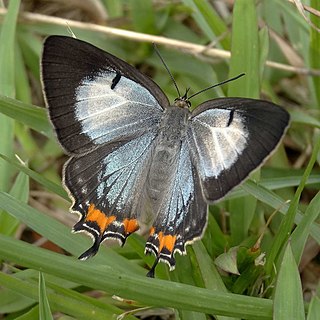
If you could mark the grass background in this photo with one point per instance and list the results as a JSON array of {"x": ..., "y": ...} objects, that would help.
[{"x": 259, "y": 257}]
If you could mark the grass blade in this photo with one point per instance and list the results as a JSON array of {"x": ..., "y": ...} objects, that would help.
[
  {"x": 302, "y": 231},
  {"x": 148, "y": 291},
  {"x": 288, "y": 220},
  {"x": 288, "y": 300},
  {"x": 7, "y": 87},
  {"x": 44, "y": 307}
]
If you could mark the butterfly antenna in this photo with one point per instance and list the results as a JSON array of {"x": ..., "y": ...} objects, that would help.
[
  {"x": 216, "y": 85},
  {"x": 170, "y": 74}
]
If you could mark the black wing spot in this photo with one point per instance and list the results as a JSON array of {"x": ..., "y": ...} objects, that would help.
[
  {"x": 115, "y": 80},
  {"x": 230, "y": 117}
]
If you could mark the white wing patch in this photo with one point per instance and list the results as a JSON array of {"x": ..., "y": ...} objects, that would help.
[
  {"x": 218, "y": 143},
  {"x": 107, "y": 113},
  {"x": 123, "y": 173}
]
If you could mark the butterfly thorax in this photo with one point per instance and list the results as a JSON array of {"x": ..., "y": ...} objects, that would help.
[{"x": 172, "y": 132}]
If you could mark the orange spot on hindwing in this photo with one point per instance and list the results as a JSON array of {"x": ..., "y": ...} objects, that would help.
[
  {"x": 130, "y": 225},
  {"x": 166, "y": 241},
  {"x": 100, "y": 218}
]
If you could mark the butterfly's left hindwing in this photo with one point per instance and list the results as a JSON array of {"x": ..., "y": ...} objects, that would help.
[
  {"x": 230, "y": 137},
  {"x": 107, "y": 185}
]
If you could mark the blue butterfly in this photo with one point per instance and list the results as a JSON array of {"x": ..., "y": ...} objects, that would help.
[{"x": 137, "y": 159}]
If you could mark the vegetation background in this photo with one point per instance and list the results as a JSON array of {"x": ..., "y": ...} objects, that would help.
[{"x": 259, "y": 257}]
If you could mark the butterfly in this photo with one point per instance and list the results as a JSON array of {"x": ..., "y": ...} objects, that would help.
[{"x": 135, "y": 158}]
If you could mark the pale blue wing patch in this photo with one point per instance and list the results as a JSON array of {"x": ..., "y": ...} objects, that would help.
[
  {"x": 217, "y": 138},
  {"x": 110, "y": 110}
]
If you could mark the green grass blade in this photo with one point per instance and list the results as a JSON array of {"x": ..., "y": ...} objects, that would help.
[
  {"x": 296, "y": 116},
  {"x": 61, "y": 235},
  {"x": 288, "y": 300},
  {"x": 148, "y": 291},
  {"x": 7, "y": 40},
  {"x": 31, "y": 314},
  {"x": 245, "y": 55},
  {"x": 209, "y": 21},
  {"x": 143, "y": 18},
  {"x": 7, "y": 87},
  {"x": 302, "y": 231},
  {"x": 44, "y": 307},
  {"x": 74, "y": 304},
  {"x": 32, "y": 116},
  {"x": 276, "y": 202},
  {"x": 287, "y": 223},
  {"x": 42, "y": 180},
  {"x": 210, "y": 275},
  {"x": 314, "y": 51},
  {"x": 20, "y": 190},
  {"x": 276, "y": 183},
  {"x": 314, "y": 308}
]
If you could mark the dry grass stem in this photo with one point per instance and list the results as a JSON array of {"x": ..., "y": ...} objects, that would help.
[{"x": 187, "y": 47}]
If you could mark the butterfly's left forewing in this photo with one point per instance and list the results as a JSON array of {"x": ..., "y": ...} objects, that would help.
[
  {"x": 95, "y": 98},
  {"x": 230, "y": 137}
]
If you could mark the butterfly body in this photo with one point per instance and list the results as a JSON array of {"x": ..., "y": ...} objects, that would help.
[
  {"x": 136, "y": 158},
  {"x": 172, "y": 132}
]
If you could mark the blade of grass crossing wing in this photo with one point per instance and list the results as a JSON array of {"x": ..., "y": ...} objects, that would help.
[
  {"x": 137, "y": 287},
  {"x": 288, "y": 299},
  {"x": 61, "y": 235}
]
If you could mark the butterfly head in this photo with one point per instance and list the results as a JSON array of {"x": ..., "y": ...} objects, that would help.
[{"x": 183, "y": 102}]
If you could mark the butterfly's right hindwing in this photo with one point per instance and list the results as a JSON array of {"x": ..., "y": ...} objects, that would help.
[{"x": 230, "y": 137}]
